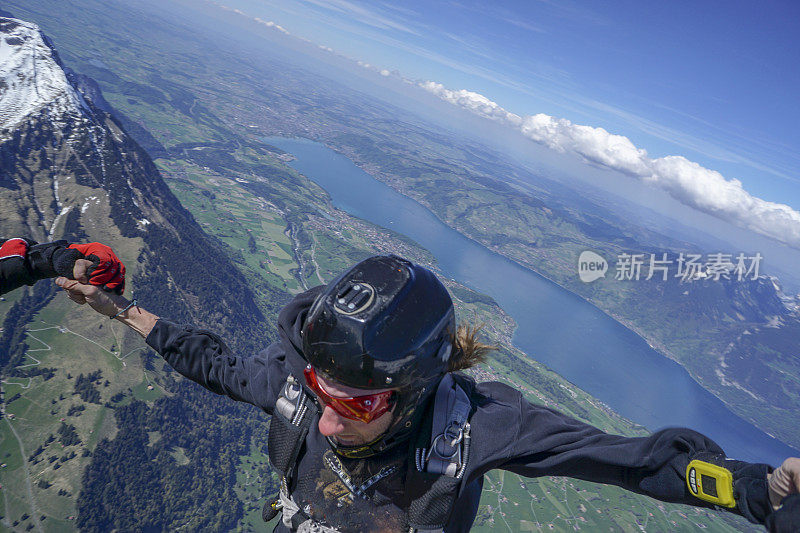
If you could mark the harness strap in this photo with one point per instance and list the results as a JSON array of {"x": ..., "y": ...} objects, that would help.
[
  {"x": 288, "y": 427},
  {"x": 296, "y": 518},
  {"x": 450, "y": 432},
  {"x": 441, "y": 465},
  {"x": 290, "y": 423}
]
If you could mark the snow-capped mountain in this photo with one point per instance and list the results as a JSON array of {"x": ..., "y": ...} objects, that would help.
[
  {"x": 68, "y": 169},
  {"x": 62, "y": 158},
  {"x": 32, "y": 80}
]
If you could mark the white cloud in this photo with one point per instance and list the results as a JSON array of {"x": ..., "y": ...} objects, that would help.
[
  {"x": 594, "y": 144},
  {"x": 477, "y": 103},
  {"x": 267, "y": 23},
  {"x": 710, "y": 192},
  {"x": 270, "y": 24},
  {"x": 688, "y": 182}
]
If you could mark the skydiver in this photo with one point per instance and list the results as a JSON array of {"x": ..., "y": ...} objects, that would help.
[{"x": 373, "y": 429}]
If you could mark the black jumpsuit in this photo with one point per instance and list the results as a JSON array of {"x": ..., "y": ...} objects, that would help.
[{"x": 508, "y": 432}]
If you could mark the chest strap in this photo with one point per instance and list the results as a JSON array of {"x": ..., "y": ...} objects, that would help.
[
  {"x": 288, "y": 428},
  {"x": 440, "y": 464},
  {"x": 450, "y": 432}
]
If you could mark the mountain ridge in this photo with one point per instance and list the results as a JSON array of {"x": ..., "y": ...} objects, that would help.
[
  {"x": 73, "y": 172},
  {"x": 32, "y": 78}
]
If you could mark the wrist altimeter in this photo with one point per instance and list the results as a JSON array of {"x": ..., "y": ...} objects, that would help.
[{"x": 711, "y": 483}]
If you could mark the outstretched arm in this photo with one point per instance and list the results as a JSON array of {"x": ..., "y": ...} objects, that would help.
[
  {"x": 24, "y": 262},
  {"x": 196, "y": 354},
  {"x": 550, "y": 443}
]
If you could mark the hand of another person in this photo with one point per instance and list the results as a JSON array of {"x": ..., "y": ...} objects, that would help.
[
  {"x": 105, "y": 270},
  {"x": 107, "y": 303},
  {"x": 79, "y": 270},
  {"x": 784, "y": 495}
]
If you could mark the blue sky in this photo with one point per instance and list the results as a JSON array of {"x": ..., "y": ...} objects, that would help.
[
  {"x": 717, "y": 82},
  {"x": 714, "y": 82}
]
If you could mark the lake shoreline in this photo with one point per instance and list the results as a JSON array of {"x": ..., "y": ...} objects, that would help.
[
  {"x": 655, "y": 345},
  {"x": 719, "y": 418}
]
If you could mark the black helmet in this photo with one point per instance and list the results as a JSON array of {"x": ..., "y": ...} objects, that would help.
[{"x": 385, "y": 323}]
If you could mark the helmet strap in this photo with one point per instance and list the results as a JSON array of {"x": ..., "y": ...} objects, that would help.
[{"x": 355, "y": 452}]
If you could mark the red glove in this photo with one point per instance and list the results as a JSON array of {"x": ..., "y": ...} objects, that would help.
[{"x": 107, "y": 272}]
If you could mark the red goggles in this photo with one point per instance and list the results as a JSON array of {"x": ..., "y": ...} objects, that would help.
[{"x": 364, "y": 408}]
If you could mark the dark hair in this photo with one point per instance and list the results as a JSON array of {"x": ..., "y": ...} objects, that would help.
[{"x": 468, "y": 351}]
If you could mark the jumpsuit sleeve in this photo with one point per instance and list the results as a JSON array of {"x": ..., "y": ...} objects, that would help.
[
  {"x": 204, "y": 358},
  {"x": 544, "y": 442},
  {"x": 24, "y": 262},
  {"x": 13, "y": 273}
]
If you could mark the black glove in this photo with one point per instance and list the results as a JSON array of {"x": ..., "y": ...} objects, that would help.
[
  {"x": 787, "y": 518},
  {"x": 52, "y": 259}
]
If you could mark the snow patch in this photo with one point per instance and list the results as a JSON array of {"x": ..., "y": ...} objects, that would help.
[
  {"x": 85, "y": 205},
  {"x": 55, "y": 191},
  {"x": 63, "y": 212},
  {"x": 32, "y": 78}
]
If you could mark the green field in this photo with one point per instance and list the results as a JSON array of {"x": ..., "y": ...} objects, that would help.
[
  {"x": 513, "y": 503},
  {"x": 252, "y": 479},
  {"x": 92, "y": 344}
]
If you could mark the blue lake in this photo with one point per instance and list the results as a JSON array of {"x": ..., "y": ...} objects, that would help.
[{"x": 556, "y": 327}]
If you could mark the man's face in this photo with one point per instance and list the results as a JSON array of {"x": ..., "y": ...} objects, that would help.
[{"x": 346, "y": 431}]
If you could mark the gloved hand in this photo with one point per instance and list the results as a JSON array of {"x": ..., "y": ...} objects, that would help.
[
  {"x": 24, "y": 261},
  {"x": 106, "y": 270},
  {"x": 787, "y": 518}
]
